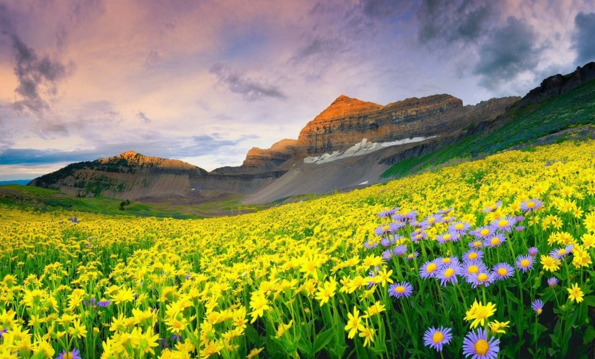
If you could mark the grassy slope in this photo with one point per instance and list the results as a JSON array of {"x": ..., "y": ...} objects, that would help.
[{"x": 572, "y": 108}]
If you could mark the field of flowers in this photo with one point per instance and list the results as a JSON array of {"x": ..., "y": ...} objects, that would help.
[{"x": 486, "y": 259}]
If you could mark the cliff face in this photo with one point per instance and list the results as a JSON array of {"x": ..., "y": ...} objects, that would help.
[
  {"x": 260, "y": 160},
  {"x": 557, "y": 84},
  {"x": 347, "y": 121}
]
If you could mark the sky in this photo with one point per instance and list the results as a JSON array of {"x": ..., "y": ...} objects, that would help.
[{"x": 203, "y": 81}]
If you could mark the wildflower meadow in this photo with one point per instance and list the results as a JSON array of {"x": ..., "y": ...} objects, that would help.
[{"x": 486, "y": 259}]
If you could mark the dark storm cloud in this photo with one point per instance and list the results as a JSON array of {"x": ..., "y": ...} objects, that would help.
[
  {"x": 583, "y": 38},
  {"x": 319, "y": 45},
  {"x": 250, "y": 89},
  {"x": 37, "y": 76},
  {"x": 384, "y": 8},
  {"x": 141, "y": 116},
  {"x": 33, "y": 73},
  {"x": 509, "y": 51},
  {"x": 448, "y": 21}
]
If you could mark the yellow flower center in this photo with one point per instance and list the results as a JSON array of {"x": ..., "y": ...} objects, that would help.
[
  {"x": 502, "y": 223},
  {"x": 449, "y": 272},
  {"x": 472, "y": 269},
  {"x": 561, "y": 251},
  {"x": 539, "y": 310},
  {"x": 477, "y": 244},
  {"x": 400, "y": 289},
  {"x": 431, "y": 267},
  {"x": 446, "y": 260},
  {"x": 68, "y": 355},
  {"x": 459, "y": 226},
  {"x": 447, "y": 236},
  {"x": 482, "y": 277},
  {"x": 472, "y": 255},
  {"x": 438, "y": 337},
  {"x": 525, "y": 263},
  {"x": 495, "y": 241},
  {"x": 502, "y": 271},
  {"x": 482, "y": 346},
  {"x": 530, "y": 204},
  {"x": 431, "y": 220},
  {"x": 385, "y": 228},
  {"x": 484, "y": 232}
]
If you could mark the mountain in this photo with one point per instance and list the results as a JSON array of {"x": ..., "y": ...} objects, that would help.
[{"x": 352, "y": 143}]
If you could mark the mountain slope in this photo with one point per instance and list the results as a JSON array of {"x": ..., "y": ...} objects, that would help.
[{"x": 559, "y": 103}]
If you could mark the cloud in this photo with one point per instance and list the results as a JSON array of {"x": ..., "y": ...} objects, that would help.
[
  {"x": 37, "y": 76},
  {"x": 583, "y": 37},
  {"x": 384, "y": 8},
  {"x": 507, "y": 53},
  {"x": 144, "y": 119},
  {"x": 250, "y": 89},
  {"x": 460, "y": 21}
]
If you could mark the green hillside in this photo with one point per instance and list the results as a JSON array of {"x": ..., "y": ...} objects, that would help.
[{"x": 574, "y": 108}]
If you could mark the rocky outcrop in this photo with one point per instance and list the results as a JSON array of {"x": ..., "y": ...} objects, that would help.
[
  {"x": 348, "y": 121},
  {"x": 260, "y": 160},
  {"x": 557, "y": 84}
]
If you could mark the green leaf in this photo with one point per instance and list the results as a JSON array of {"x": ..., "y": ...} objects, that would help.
[
  {"x": 322, "y": 339},
  {"x": 252, "y": 335},
  {"x": 589, "y": 335},
  {"x": 305, "y": 348},
  {"x": 590, "y": 300}
]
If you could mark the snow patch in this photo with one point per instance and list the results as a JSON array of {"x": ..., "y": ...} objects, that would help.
[
  {"x": 361, "y": 148},
  {"x": 363, "y": 183}
]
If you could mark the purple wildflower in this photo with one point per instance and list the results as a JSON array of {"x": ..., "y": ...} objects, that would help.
[
  {"x": 387, "y": 255},
  {"x": 524, "y": 263},
  {"x": 436, "y": 338},
  {"x": 74, "y": 354},
  {"x": 537, "y": 306},
  {"x": 502, "y": 271},
  {"x": 400, "y": 250},
  {"x": 495, "y": 240},
  {"x": 533, "y": 251},
  {"x": 531, "y": 205},
  {"x": 482, "y": 278},
  {"x": 429, "y": 270},
  {"x": 412, "y": 256},
  {"x": 477, "y": 346},
  {"x": 473, "y": 255},
  {"x": 504, "y": 224},
  {"x": 400, "y": 290},
  {"x": 552, "y": 282},
  {"x": 449, "y": 273},
  {"x": 471, "y": 268}
]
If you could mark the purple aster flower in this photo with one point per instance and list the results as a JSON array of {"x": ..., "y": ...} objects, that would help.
[
  {"x": 415, "y": 237},
  {"x": 531, "y": 205},
  {"x": 502, "y": 271},
  {"x": 103, "y": 303},
  {"x": 387, "y": 255},
  {"x": 561, "y": 252},
  {"x": 471, "y": 268},
  {"x": 477, "y": 346},
  {"x": 504, "y": 224},
  {"x": 524, "y": 263},
  {"x": 519, "y": 219},
  {"x": 444, "y": 261},
  {"x": 411, "y": 216},
  {"x": 484, "y": 232},
  {"x": 384, "y": 214},
  {"x": 385, "y": 242},
  {"x": 429, "y": 270},
  {"x": 491, "y": 208},
  {"x": 473, "y": 255},
  {"x": 412, "y": 256},
  {"x": 449, "y": 273},
  {"x": 482, "y": 278},
  {"x": 370, "y": 244},
  {"x": 385, "y": 230},
  {"x": 436, "y": 338},
  {"x": 519, "y": 228},
  {"x": 445, "y": 210},
  {"x": 552, "y": 282},
  {"x": 433, "y": 219},
  {"x": 74, "y": 354},
  {"x": 5, "y": 330},
  {"x": 445, "y": 237},
  {"x": 537, "y": 306},
  {"x": 476, "y": 244},
  {"x": 400, "y": 250},
  {"x": 459, "y": 227},
  {"x": 533, "y": 251},
  {"x": 400, "y": 290},
  {"x": 495, "y": 240}
]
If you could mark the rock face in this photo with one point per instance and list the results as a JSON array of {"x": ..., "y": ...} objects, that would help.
[
  {"x": 262, "y": 160},
  {"x": 557, "y": 84},
  {"x": 348, "y": 121}
]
